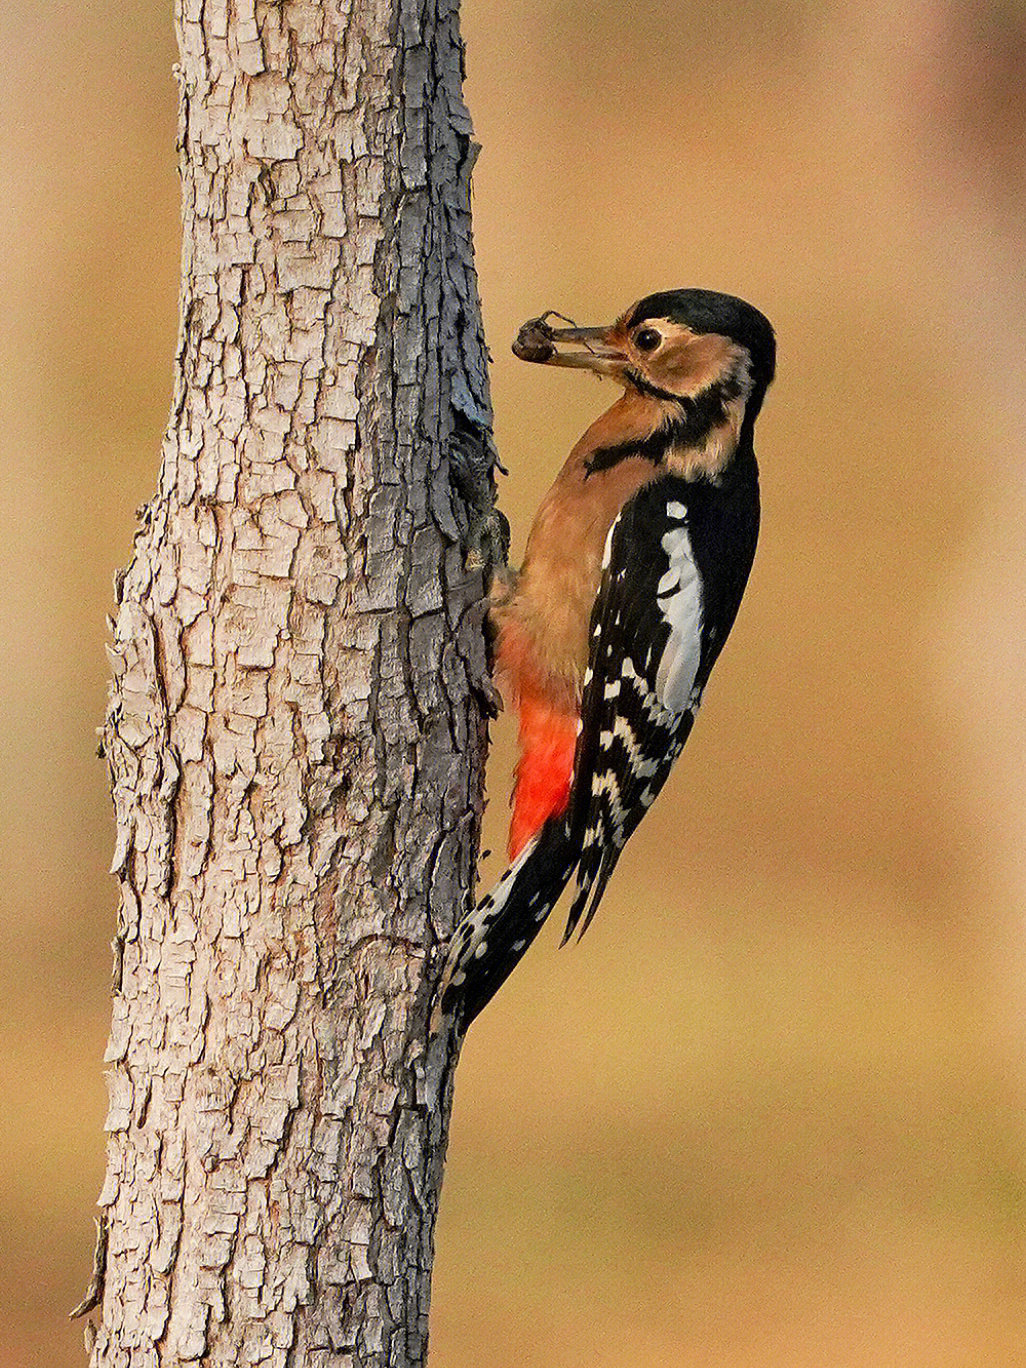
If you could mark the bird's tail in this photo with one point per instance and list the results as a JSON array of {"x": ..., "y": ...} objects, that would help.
[{"x": 490, "y": 941}]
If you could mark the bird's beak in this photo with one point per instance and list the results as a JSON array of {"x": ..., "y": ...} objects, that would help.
[{"x": 597, "y": 350}]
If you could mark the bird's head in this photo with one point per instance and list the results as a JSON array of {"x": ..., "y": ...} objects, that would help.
[{"x": 676, "y": 346}]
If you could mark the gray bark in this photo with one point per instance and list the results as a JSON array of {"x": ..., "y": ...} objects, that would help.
[{"x": 294, "y": 733}]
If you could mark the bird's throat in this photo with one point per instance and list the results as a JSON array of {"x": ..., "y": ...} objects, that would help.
[{"x": 694, "y": 437}]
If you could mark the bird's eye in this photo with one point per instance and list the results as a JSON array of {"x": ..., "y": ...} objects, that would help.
[{"x": 647, "y": 339}]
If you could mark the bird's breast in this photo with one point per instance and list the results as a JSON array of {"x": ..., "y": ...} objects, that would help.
[{"x": 543, "y": 628}]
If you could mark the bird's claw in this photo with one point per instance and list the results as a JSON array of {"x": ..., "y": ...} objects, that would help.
[
  {"x": 489, "y": 696},
  {"x": 486, "y": 545},
  {"x": 474, "y": 461}
]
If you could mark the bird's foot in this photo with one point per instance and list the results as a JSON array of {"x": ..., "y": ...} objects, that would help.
[
  {"x": 486, "y": 545},
  {"x": 474, "y": 463},
  {"x": 488, "y": 696}
]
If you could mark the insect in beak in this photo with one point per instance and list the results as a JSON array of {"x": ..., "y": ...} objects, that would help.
[{"x": 538, "y": 341}]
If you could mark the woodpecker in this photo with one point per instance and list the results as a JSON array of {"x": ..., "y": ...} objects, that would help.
[{"x": 632, "y": 578}]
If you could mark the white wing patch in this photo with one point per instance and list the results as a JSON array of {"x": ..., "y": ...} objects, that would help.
[
  {"x": 607, "y": 550},
  {"x": 680, "y": 601}
]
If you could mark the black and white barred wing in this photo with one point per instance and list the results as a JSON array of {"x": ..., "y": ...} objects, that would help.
[{"x": 640, "y": 694}]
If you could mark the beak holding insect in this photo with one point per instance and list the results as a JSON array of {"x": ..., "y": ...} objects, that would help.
[{"x": 593, "y": 349}]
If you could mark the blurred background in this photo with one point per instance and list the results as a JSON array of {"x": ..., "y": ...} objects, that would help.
[{"x": 770, "y": 1111}]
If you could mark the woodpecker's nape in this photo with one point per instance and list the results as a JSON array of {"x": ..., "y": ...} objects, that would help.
[{"x": 632, "y": 577}]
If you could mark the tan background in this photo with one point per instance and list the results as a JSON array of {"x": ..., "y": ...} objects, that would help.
[{"x": 769, "y": 1112}]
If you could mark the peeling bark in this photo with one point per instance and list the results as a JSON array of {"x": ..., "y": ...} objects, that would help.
[{"x": 294, "y": 735}]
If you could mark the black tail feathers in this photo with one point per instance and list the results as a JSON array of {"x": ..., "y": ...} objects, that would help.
[{"x": 489, "y": 942}]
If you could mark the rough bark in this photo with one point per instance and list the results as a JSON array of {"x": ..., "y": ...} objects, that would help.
[{"x": 294, "y": 734}]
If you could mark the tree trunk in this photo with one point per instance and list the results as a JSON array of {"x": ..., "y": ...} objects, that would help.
[{"x": 294, "y": 734}]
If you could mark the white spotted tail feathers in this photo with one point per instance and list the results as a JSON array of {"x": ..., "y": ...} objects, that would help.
[{"x": 490, "y": 941}]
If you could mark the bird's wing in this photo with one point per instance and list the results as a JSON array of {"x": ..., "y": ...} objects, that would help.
[{"x": 640, "y": 694}]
